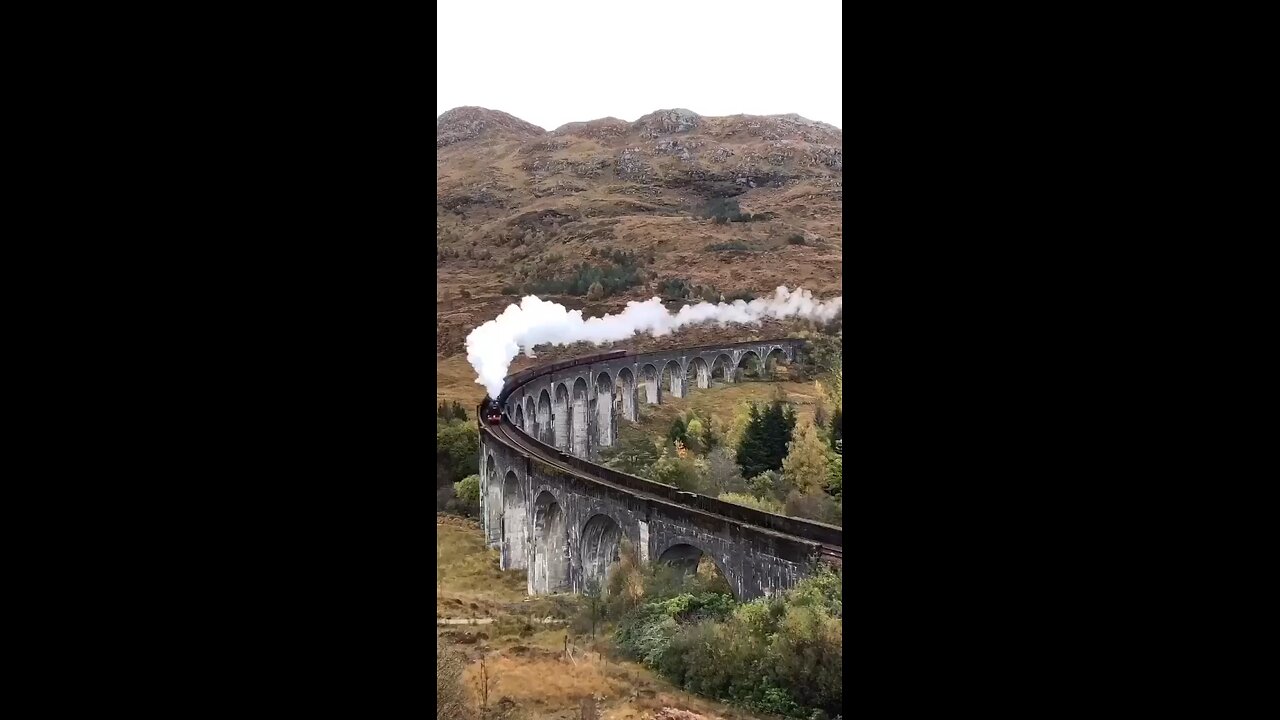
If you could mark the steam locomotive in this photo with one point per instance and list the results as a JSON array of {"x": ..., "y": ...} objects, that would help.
[{"x": 492, "y": 411}]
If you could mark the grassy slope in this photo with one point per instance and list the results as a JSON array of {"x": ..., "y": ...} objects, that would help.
[
  {"x": 528, "y": 665},
  {"x": 721, "y": 402}
]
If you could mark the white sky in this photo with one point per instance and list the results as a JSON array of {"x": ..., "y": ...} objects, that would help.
[{"x": 550, "y": 62}]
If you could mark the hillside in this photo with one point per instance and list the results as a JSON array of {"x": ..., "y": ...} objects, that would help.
[{"x": 519, "y": 208}]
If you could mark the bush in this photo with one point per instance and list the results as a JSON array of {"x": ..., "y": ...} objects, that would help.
[
  {"x": 670, "y": 469},
  {"x": 723, "y": 474},
  {"x": 674, "y": 288},
  {"x": 457, "y": 450},
  {"x": 744, "y": 295},
  {"x": 467, "y": 492},
  {"x": 777, "y": 655},
  {"x": 766, "y": 504},
  {"x": 726, "y": 209},
  {"x": 814, "y": 506},
  {"x": 769, "y": 484},
  {"x": 796, "y": 239},
  {"x": 620, "y": 274},
  {"x": 723, "y": 246},
  {"x": 634, "y": 454}
]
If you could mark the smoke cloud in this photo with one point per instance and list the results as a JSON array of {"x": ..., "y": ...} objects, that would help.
[{"x": 492, "y": 346}]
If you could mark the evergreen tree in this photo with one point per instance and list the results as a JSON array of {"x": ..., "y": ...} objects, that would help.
[
  {"x": 458, "y": 412},
  {"x": 751, "y": 448},
  {"x": 708, "y": 438},
  {"x": 771, "y": 430},
  {"x": 776, "y": 426},
  {"x": 677, "y": 430}
]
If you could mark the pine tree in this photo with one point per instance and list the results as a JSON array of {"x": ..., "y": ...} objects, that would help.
[
  {"x": 751, "y": 447},
  {"x": 776, "y": 426},
  {"x": 805, "y": 466},
  {"x": 677, "y": 430}
]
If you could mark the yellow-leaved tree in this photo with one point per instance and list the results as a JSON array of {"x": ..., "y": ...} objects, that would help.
[{"x": 805, "y": 465}]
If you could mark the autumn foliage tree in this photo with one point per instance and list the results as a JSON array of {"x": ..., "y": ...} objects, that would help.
[{"x": 805, "y": 466}]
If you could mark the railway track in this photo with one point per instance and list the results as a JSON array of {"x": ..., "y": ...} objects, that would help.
[{"x": 513, "y": 436}]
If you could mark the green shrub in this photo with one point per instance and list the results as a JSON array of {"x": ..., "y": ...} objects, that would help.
[
  {"x": 724, "y": 246},
  {"x": 674, "y": 288},
  {"x": 457, "y": 450},
  {"x": 766, "y": 504},
  {"x": 467, "y": 492},
  {"x": 620, "y": 273},
  {"x": 779, "y": 655}
]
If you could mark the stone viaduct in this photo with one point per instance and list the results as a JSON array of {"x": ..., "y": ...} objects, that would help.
[{"x": 550, "y": 510}]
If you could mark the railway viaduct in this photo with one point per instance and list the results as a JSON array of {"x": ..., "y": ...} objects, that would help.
[{"x": 553, "y": 512}]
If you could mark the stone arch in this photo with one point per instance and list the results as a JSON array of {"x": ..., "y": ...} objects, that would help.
[
  {"x": 686, "y": 555},
  {"x": 749, "y": 362},
  {"x": 673, "y": 378},
  {"x": 561, "y": 415},
  {"x": 546, "y": 433},
  {"x": 771, "y": 360},
  {"x": 724, "y": 364},
  {"x": 626, "y": 384},
  {"x": 604, "y": 410},
  {"x": 697, "y": 374},
  {"x": 578, "y": 425},
  {"x": 492, "y": 502},
  {"x": 599, "y": 547},
  {"x": 519, "y": 417},
  {"x": 514, "y": 514},
  {"x": 649, "y": 383},
  {"x": 530, "y": 418},
  {"x": 551, "y": 546}
]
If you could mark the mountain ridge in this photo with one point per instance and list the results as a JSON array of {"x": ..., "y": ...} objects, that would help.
[{"x": 725, "y": 205}]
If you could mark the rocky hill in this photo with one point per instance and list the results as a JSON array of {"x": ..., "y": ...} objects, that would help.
[{"x": 673, "y": 204}]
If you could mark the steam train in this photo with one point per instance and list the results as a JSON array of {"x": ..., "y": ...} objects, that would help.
[{"x": 492, "y": 412}]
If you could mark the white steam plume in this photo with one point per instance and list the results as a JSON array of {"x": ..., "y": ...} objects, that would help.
[{"x": 492, "y": 346}]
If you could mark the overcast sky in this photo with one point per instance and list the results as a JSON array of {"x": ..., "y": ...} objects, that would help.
[{"x": 550, "y": 62}]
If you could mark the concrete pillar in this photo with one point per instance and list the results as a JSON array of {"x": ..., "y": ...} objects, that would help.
[
  {"x": 561, "y": 418},
  {"x": 581, "y": 430},
  {"x": 652, "y": 389},
  {"x": 546, "y": 433},
  {"x": 677, "y": 383},
  {"x": 514, "y": 525},
  {"x": 629, "y": 398},
  {"x": 491, "y": 497},
  {"x": 604, "y": 415}
]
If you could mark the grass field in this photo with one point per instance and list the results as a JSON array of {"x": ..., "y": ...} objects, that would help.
[
  {"x": 526, "y": 663},
  {"x": 721, "y": 403}
]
